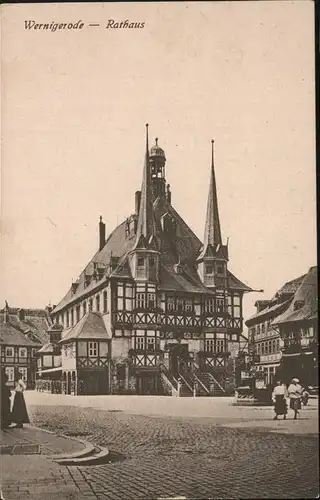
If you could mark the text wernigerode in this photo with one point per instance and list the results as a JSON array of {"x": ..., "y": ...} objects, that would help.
[{"x": 79, "y": 25}]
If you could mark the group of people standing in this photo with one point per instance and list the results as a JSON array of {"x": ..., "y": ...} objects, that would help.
[
  {"x": 18, "y": 415},
  {"x": 294, "y": 392}
]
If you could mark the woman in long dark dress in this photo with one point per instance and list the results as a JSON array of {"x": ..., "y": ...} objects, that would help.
[
  {"x": 5, "y": 402},
  {"x": 279, "y": 397},
  {"x": 19, "y": 414}
]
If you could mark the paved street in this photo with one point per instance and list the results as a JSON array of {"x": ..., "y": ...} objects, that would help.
[{"x": 194, "y": 457}]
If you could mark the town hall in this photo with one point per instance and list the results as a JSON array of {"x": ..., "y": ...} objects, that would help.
[{"x": 156, "y": 311}]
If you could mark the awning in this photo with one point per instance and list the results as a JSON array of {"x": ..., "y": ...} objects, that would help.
[
  {"x": 297, "y": 354},
  {"x": 50, "y": 370}
]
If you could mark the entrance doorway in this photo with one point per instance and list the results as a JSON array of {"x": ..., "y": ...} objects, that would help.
[{"x": 178, "y": 358}]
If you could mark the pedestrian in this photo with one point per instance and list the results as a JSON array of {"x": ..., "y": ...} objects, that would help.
[
  {"x": 279, "y": 396},
  {"x": 305, "y": 396},
  {"x": 19, "y": 414},
  {"x": 5, "y": 402},
  {"x": 295, "y": 394}
]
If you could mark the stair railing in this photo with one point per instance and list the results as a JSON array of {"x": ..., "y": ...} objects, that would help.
[
  {"x": 186, "y": 382},
  {"x": 170, "y": 377},
  {"x": 201, "y": 383},
  {"x": 197, "y": 370}
]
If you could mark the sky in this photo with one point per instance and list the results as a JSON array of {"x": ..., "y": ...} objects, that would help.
[{"x": 74, "y": 108}]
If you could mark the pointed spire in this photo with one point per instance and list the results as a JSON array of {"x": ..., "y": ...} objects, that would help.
[
  {"x": 146, "y": 221},
  {"x": 212, "y": 233}
]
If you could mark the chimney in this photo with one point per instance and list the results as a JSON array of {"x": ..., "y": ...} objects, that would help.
[
  {"x": 21, "y": 314},
  {"x": 6, "y": 313},
  {"x": 137, "y": 201},
  {"x": 168, "y": 194},
  {"x": 102, "y": 234}
]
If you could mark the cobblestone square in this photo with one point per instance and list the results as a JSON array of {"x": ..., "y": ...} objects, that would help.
[{"x": 190, "y": 457}]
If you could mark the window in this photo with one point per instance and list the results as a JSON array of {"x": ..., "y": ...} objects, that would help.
[
  {"x": 151, "y": 343},
  {"x": 209, "y": 346},
  {"x": 278, "y": 345},
  {"x": 24, "y": 373},
  {"x": 9, "y": 370},
  {"x": 140, "y": 262},
  {"x": 262, "y": 348},
  {"x": 72, "y": 319},
  {"x": 209, "y": 269},
  {"x": 140, "y": 343},
  {"x": 98, "y": 303},
  {"x": 68, "y": 319},
  {"x": 105, "y": 302},
  {"x": 274, "y": 346},
  {"x": 90, "y": 305},
  {"x": 220, "y": 269},
  {"x": 140, "y": 302},
  {"x": 220, "y": 345},
  {"x": 22, "y": 352},
  {"x": 151, "y": 262},
  {"x": 179, "y": 304},
  {"x": 93, "y": 349},
  {"x": 77, "y": 314},
  {"x": 269, "y": 347},
  {"x": 188, "y": 305},
  {"x": 9, "y": 352},
  {"x": 262, "y": 328},
  {"x": 170, "y": 303},
  {"x": 258, "y": 329},
  {"x": 215, "y": 345},
  {"x": 258, "y": 348},
  {"x": 220, "y": 305},
  {"x": 151, "y": 300},
  {"x": 209, "y": 305},
  {"x": 84, "y": 308}
]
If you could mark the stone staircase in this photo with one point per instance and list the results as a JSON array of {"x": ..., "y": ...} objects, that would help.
[{"x": 192, "y": 383}]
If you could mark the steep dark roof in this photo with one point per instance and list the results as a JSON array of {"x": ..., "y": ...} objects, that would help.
[
  {"x": 291, "y": 286},
  {"x": 304, "y": 305},
  {"x": 183, "y": 247},
  {"x": 90, "y": 326},
  {"x": 268, "y": 313},
  {"x": 31, "y": 331},
  {"x": 276, "y": 305}
]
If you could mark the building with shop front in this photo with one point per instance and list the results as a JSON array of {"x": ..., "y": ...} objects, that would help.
[
  {"x": 270, "y": 335},
  {"x": 156, "y": 310},
  {"x": 22, "y": 333},
  {"x": 298, "y": 329}
]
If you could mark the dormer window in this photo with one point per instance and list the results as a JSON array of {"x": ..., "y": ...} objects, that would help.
[
  {"x": 220, "y": 269},
  {"x": 298, "y": 304},
  {"x": 209, "y": 269},
  {"x": 140, "y": 262},
  {"x": 151, "y": 262}
]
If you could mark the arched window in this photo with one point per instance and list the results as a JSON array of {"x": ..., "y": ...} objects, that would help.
[
  {"x": 98, "y": 303},
  {"x": 105, "y": 302}
]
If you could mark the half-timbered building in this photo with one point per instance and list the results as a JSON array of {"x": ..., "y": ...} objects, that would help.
[
  {"x": 22, "y": 333},
  {"x": 156, "y": 311}
]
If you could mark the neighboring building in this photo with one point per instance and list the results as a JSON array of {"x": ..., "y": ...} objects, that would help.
[
  {"x": 298, "y": 327},
  {"x": 267, "y": 343},
  {"x": 154, "y": 304},
  {"x": 22, "y": 333}
]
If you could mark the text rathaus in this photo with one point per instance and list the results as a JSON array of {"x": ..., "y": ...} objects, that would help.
[{"x": 155, "y": 311}]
